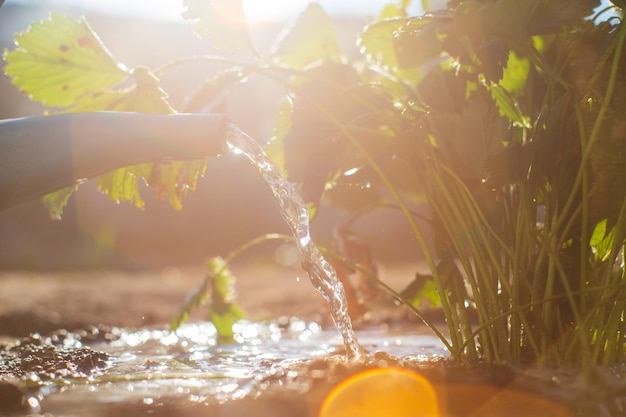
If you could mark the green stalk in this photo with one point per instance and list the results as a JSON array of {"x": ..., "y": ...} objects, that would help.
[
  {"x": 450, "y": 221},
  {"x": 419, "y": 236},
  {"x": 584, "y": 231},
  {"x": 396, "y": 196},
  {"x": 255, "y": 241},
  {"x": 546, "y": 308},
  {"x": 579, "y": 330},
  {"x": 609, "y": 340},
  {"x": 612, "y": 328},
  {"x": 454, "y": 322},
  {"x": 368, "y": 158},
  {"x": 522, "y": 256},
  {"x": 595, "y": 132},
  {"x": 614, "y": 345},
  {"x": 391, "y": 291},
  {"x": 618, "y": 240},
  {"x": 479, "y": 219},
  {"x": 558, "y": 222},
  {"x": 381, "y": 175},
  {"x": 484, "y": 283},
  {"x": 494, "y": 260},
  {"x": 525, "y": 307}
]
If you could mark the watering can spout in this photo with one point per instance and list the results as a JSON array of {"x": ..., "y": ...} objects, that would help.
[{"x": 39, "y": 155}]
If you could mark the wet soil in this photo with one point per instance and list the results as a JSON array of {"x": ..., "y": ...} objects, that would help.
[{"x": 39, "y": 311}]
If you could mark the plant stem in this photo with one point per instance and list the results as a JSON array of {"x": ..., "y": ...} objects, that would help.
[
  {"x": 595, "y": 132},
  {"x": 394, "y": 293}
]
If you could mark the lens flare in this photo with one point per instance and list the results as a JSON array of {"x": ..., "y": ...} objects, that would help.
[{"x": 380, "y": 393}]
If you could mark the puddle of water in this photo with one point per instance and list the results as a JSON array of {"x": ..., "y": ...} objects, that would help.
[
  {"x": 282, "y": 364},
  {"x": 151, "y": 366}
]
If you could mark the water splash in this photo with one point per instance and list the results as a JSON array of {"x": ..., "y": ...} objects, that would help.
[{"x": 292, "y": 207}]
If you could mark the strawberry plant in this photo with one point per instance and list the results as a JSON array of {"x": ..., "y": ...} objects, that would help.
[{"x": 503, "y": 119}]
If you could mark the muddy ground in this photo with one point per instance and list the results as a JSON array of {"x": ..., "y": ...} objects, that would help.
[{"x": 43, "y": 302}]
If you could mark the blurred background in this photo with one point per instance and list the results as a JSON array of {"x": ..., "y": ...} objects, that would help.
[{"x": 230, "y": 206}]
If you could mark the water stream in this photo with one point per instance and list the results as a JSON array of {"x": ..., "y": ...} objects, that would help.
[{"x": 292, "y": 207}]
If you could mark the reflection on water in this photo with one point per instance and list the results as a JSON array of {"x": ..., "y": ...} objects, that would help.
[{"x": 156, "y": 365}]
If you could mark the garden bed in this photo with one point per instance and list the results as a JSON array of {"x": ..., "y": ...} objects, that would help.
[{"x": 119, "y": 314}]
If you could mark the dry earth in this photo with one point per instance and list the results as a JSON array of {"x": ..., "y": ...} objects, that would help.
[{"x": 42, "y": 302}]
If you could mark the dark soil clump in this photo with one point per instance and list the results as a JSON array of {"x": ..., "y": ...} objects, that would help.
[{"x": 59, "y": 355}]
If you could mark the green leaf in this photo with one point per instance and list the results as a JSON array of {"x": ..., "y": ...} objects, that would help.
[
  {"x": 310, "y": 40},
  {"x": 170, "y": 180},
  {"x": 144, "y": 97},
  {"x": 331, "y": 103},
  {"x": 477, "y": 135},
  {"x": 211, "y": 95},
  {"x": 504, "y": 19},
  {"x": 515, "y": 74},
  {"x": 122, "y": 184},
  {"x": 508, "y": 107},
  {"x": 556, "y": 15},
  {"x": 418, "y": 41},
  {"x": 599, "y": 233},
  {"x": 311, "y": 209},
  {"x": 377, "y": 42},
  {"x": 194, "y": 299},
  {"x": 422, "y": 288},
  {"x": 391, "y": 11},
  {"x": 308, "y": 144},
  {"x": 224, "y": 323},
  {"x": 601, "y": 241},
  {"x": 275, "y": 148},
  {"x": 219, "y": 288},
  {"x": 223, "y": 22},
  {"x": 61, "y": 62},
  {"x": 174, "y": 179},
  {"x": 55, "y": 202},
  {"x": 223, "y": 310},
  {"x": 59, "y": 59}
]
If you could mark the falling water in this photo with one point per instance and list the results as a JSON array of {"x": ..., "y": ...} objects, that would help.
[{"x": 322, "y": 275}]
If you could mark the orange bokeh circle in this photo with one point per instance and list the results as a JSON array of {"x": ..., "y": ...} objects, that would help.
[{"x": 380, "y": 393}]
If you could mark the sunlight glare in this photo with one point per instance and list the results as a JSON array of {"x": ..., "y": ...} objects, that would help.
[
  {"x": 256, "y": 11},
  {"x": 263, "y": 12},
  {"x": 167, "y": 10}
]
